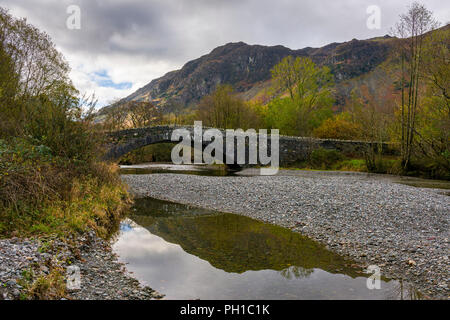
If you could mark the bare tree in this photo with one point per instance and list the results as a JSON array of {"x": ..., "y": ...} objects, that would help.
[
  {"x": 143, "y": 114},
  {"x": 411, "y": 28},
  {"x": 223, "y": 109},
  {"x": 373, "y": 111},
  {"x": 116, "y": 117}
]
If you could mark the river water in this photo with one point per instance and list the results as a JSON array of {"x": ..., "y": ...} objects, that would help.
[{"x": 191, "y": 253}]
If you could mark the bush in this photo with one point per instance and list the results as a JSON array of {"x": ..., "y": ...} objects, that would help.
[
  {"x": 381, "y": 165},
  {"x": 41, "y": 193},
  {"x": 352, "y": 165},
  {"x": 324, "y": 158},
  {"x": 63, "y": 128},
  {"x": 427, "y": 168},
  {"x": 339, "y": 127}
]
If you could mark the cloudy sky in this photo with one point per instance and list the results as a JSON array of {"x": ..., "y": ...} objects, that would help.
[{"x": 124, "y": 44}]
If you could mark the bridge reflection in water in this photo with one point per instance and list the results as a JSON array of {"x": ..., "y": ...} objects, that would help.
[{"x": 190, "y": 253}]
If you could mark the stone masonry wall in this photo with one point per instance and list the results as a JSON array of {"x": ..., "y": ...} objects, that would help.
[{"x": 292, "y": 149}]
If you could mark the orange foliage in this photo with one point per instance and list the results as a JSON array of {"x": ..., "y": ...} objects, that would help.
[{"x": 338, "y": 127}]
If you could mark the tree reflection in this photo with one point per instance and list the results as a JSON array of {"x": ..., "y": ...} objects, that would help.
[
  {"x": 235, "y": 243},
  {"x": 405, "y": 291},
  {"x": 296, "y": 272}
]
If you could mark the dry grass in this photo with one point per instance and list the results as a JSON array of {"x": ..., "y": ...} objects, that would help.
[
  {"x": 44, "y": 287},
  {"x": 40, "y": 194}
]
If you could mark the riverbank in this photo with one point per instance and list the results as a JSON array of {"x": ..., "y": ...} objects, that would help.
[
  {"x": 36, "y": 269},
  {"x": 400, "y": 228},
  {"x": 54, "y": 211}
]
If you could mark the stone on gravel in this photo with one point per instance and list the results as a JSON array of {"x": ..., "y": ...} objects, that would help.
[{"x": 372, "y": 220}]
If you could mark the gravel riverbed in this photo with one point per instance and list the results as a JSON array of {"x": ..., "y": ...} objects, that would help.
[
  {"x": 102, "y": 276},
  {"x": 402, "y": 229}
]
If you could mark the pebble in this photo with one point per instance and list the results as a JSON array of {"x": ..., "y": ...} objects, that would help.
[
  {"x": 99, "y": 268},
  {"x": 368, "y": 219}
]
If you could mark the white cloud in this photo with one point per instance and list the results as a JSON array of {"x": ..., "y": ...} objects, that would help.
[{"x": 120, "y": 68}]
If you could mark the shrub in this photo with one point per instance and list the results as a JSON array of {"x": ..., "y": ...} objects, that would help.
[
  {"x": 352, "y": 165},
  {"x": 339, "y": 127},
  {"x": 324, "y": 158},
  {"x": 427, "y": 168},
  {"x": 41, "y": 193}
]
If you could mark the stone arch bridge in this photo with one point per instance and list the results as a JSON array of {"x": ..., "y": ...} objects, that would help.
[{"x": 292, "y": 149}]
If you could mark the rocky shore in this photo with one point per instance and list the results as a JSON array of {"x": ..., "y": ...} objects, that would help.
[
  {"x": 402, "y": 229},
  {"x": 24, "y": 261}
]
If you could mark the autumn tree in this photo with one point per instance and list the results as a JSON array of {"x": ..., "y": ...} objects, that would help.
[
  {"x": 433, "y": 122},
  {"x": 116, "y": 119},
  {"x": 373, "y": 112},
  {"x": 175, "y": 109},
  {"x": 31, "y": 67},
  {"x": 8, "y": 90},
  {"x": 35, "y": 59},
  {"x": 223, "y": 109}
]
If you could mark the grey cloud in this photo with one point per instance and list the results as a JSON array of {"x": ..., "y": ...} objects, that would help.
[
  {"x": 178, "y": 30},
  {"x": 175, "y": 31}
]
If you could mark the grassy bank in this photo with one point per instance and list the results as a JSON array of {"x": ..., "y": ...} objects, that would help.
[
  {"x": 55, "y": 199},
  {"x": 43, "y": 194},
  {"x": 324, "y": 159}
]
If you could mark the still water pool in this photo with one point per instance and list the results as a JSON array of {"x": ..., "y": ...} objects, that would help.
[{"x": 191, "y": 253}]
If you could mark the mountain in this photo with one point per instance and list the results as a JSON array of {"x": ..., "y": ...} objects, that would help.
[{"x": 247, "y": 69}]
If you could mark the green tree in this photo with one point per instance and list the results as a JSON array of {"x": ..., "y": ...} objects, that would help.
[{"x": 309, "y": 96}]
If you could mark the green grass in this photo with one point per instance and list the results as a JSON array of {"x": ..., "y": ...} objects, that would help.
[
  {"x": 324, "y": 159},
  {"x": 357, "y": 165},
  {"x": 351, "y": 165}
]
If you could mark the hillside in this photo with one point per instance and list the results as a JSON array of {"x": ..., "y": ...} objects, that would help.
[{"x": 247, "y": 69}]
